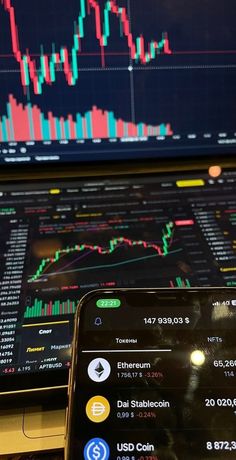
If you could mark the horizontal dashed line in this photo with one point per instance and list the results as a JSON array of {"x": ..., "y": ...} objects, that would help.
[{"x": 125, "y": 69}]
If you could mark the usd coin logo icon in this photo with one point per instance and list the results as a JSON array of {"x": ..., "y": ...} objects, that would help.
[
  {"x": 99, "y": 370},
  {"x": 97, "y": 409},
  {"x": 96, "y": 449}
]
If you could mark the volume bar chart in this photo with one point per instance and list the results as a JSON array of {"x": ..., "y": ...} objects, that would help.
[
  {"x": 28, "y": 123},
  {"x": 180, "y": 283},
  {"x": 40, "y": 308}
]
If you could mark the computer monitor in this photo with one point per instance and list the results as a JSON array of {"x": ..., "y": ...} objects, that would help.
[
  {"x": 60, "y": 240},
  {"x": 111, "y": 80}
]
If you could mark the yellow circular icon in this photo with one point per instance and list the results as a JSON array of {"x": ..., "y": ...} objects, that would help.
[{"x": 97, "y": 409}]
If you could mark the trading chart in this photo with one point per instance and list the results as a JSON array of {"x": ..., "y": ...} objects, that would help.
[
  {"x": 115, "y": 79},
  {"x": 59, "y": 241}
]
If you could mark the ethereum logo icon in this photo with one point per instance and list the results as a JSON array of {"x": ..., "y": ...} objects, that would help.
[{"x": 99, "y": 370}]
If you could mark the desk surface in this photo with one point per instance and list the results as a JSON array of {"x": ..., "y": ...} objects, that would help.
[{"x": 58, "y": 456}]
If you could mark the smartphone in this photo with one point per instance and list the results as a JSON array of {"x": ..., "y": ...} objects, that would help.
[{"x": 154, "y": 376}]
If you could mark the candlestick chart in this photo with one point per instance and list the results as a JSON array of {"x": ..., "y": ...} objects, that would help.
[
  {"x": 49, "y": 266},
  {"x": 75, "y": 268},
  {"x": 96, "y": 78},
  {"x": 48, "y": 64}
]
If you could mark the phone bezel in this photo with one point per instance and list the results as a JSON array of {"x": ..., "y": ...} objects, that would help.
[{"x": 168, "y": 293}]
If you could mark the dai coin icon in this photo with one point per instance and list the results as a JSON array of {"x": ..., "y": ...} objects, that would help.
[{"x": 97, "y": 409}]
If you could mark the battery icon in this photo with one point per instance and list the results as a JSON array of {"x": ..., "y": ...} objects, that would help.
[{"x": 233, "y": 302}]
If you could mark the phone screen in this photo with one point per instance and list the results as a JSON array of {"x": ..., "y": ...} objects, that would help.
[{"x": 154, "y": 376}]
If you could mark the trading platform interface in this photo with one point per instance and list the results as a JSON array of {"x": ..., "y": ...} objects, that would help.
[
  {"x": 93, "y": 80},
  {"x": 61, "y": 240}
]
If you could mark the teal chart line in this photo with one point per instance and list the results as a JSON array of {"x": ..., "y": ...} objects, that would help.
[{"x": 95, "y": 267}]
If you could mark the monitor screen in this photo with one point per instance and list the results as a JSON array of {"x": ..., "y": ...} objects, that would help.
[
  {"x": 96, "y": 80},
  {"x": 60, "y": 240}
]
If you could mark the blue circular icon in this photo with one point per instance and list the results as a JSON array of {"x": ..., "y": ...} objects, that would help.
[{"x": 96, "y": 449}]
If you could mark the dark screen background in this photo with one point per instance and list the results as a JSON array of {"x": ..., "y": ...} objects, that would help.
[{"x": 192, "y": 89}]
